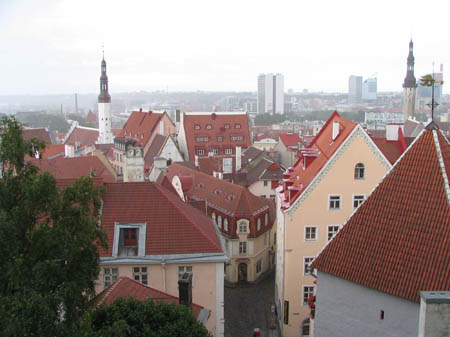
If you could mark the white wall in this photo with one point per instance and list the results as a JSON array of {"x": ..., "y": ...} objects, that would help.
[{"x": 344, "y": 309}]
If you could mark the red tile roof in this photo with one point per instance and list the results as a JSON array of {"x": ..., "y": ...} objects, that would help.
[
  {"x": 155, "y": 149},
  {"x": 290, "y": 139},
  {"x": 319, "y": 151},
  {"x": 140, "y": 126},
  {"x": 91, "y": 117},
  {"x": 74, "y": 168},
  {"x": 83, "y": 135},
  {"x": 125, "y": 287},
  {"x": 212, "y": 125},
  {"x": 398, "y": 240},
  {"x": 173, "y": 227},
  {"x": 52, "y": 150},
  {"x": 38, "y": 133}
]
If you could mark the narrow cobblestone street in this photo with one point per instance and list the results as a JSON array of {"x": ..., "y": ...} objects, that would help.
[{"x": 248, "y": 307}]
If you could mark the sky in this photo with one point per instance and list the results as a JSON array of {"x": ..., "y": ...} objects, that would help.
[{"x": 55, "y": 46}]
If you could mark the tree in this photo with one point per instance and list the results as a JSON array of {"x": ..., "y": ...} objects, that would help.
[
  {"x": 129, "y": 317},
  {"x": 48, "y": 243}
]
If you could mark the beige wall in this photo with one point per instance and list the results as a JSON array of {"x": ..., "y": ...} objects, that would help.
[
  {"x": 314, "y": 211},
  {"x": 258, "y": 189},
  {"x": 164, "y": 277}
]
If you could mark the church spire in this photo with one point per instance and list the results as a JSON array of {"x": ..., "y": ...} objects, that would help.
[
  {"x": 104, "y": 96},
  {"x": 410, "y": 80}
]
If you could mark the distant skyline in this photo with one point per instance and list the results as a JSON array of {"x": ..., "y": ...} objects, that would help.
[{"x": 55, "y": 46}]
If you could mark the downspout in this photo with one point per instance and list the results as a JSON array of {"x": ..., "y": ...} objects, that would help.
[{"x": 163, "y": 265}]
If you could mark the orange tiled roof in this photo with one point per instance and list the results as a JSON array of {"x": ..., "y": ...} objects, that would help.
[
  {"x": 83, "y": 135},
  {"x": 38, "y": 133},
  {"x": 140, "y": 126},
  {"x": 290, "y": 139},
  {"x": 125, "y": 287},
  {"x": 398, "y": 240}
]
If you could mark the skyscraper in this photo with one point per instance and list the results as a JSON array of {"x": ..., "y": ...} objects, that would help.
[
  {"x": 271, "y": 93},
  {"x": 105, "y": 135},
  {"x": 369, "y": 89},
  {"x": 354, "y": 89},
  {"x": 409, "y": 87}
]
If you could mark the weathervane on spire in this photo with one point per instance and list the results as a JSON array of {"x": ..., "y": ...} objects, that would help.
[{"x": 429, "y": 81}]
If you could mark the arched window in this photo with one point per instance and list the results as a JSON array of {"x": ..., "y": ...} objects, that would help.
[
  {"x": 213, "y": 216},
  {"x": 259, "y": 224},
  {"x": 219, "y": 221},
  {"x": 225, "y": 224},
  {"x": 267, "y": 219},
  {"x": 359, "y": 171}
]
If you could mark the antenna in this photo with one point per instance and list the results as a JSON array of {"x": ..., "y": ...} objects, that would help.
[{"x": 103, "y": 50}]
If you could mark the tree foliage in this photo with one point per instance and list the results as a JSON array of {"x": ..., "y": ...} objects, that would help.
[
  {"x": 48, "y": 244},
  {"x": 132, "y": 318},
  {"x": 45, "y": 120}
]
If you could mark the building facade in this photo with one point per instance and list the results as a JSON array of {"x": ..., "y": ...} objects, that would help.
[
  {"x": 354, "y": 89},
  {"x": 270, "y": 93}
]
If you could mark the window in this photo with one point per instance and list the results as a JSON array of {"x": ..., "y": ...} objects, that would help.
[
  {"x": 263, "y": 196},
  {"x": 185, "y": 269},
  {"x": 227, "y": 126},
  {"x": 219, "y": 138},
  {"x": 140, "y": 274},
  {"x": 110, "y": 276},
  {"x": 306, "y": 327},
  {"x": 310, "y": 233},
  {"x": 332, "y": 231},
  {"x": 197, "y": 127},
  {"x": 334, "y": 202},
  {"x": 200, "y": 152},
  {"x": 215, "y": 151},
  {"x": 228, "y": 151},
  {"x": 359, "y": 171},
  {"x": 243, "y": 248},
  {"x": 258, "y": 266},
  {"x": 128, "y": 241},
  {"x": 237, "y": 138},
  {"x": 213, "y": 217},
  {"x": 266, "y": 219},
  {"x": 202, "y": 139},
  {"x": 225, "y": 224},
  {"x": 307, "y": 270},
  {"x": 358, "y": 199},
  {"x": 272, "y": 196},
  {"x": 208, "y": 126},
  {"x": 286, "y": 312},
  {"x": 258, "y": 224},
  {"x": 237, "y": 126},
  {"x": 219, "y": 221},
  {"x": 308, "y": 291},
  {"x": 266, "y": 182},
  {"x": 242, "y": 227}
]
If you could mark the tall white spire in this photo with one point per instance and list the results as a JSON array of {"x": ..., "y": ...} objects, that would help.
[{"x": 104, "y": 109}]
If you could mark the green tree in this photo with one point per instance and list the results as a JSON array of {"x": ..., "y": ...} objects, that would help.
[
  {"x": 48, "y": 244},
  {"x": 132, "y": 318}
]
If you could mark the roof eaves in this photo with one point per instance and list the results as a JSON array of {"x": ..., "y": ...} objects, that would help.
[{"x": 441, "y": 163}]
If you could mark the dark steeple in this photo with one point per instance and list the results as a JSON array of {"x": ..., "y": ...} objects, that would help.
[
  {"x": 410, "y": 80},
  {"x": 104, "y": 96}
]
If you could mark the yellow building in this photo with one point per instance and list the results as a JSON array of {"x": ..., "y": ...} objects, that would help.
[{"x": 330, "y": 180}]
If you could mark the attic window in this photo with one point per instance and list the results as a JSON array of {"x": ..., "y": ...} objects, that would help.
[
  {"x": 237, "y": 126},
  {"x": 200, "y": 185},
  {"x": 231, "y": 197},
  {"x": 197, "y": 127},
  {"x": 217, "y": 191},
  {"x": 209, "y": 127},
  {"x": 227, "y": 126},
  {"x": 129, "y": 240},
  {"x": 142, "y": 136}
]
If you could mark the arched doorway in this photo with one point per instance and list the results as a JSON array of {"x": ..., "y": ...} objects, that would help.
[{"x": 242, "y": 272}]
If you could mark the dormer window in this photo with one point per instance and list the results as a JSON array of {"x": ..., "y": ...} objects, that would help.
[
  {"x": 225, "y": 224},
  {"x": 197, "y": 127},
  {"x": 227, "y": 126},
  {"x": 213, "y": 216},
  {"x": 258, "y": 224},
  {"x": 208, "y": 127},
  {"x": 266, "y": 221},
  {"x": 237, "y": 126},
  {"x": 360, "y": 171},
  {"x": 219, "y": 221},
  {"x": 242, "y": 227},
  {"x": 129, "y": 240}
]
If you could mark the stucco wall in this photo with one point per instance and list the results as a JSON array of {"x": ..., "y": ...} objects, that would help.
[
  {"x": 345, "y": 309},
  {"x": 258, "y": 189},
  {"x": 314, "y": 211},
  {"x": 164, "y": 277}
]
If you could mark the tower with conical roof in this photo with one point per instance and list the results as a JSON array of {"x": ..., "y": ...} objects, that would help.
[
  {"x": 104, "y": 109},
  {"x": 409, "y": 87}
]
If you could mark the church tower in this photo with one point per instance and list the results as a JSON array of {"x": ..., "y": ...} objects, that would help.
[
  {"x": 104, "y": 110},
  {"x": 409, "y": 87}
]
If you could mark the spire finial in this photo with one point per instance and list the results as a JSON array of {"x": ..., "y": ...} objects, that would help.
[{"x": 103, "y": 50}]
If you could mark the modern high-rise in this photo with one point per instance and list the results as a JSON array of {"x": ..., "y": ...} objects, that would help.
[
  {"x": 354, "y": 89},
  {"x": 369, "y": 89},
  {"x": 271, "y": 93}
]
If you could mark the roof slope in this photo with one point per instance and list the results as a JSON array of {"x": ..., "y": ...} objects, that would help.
[
  {"x": 83, "y": 135},
  {"x": 233, "y": 199},
  {"x": 290, "y": 139},
  {"x": 398, "y": 241},
  {"x": 125, "y": 287},
  {"x": 155, "y": 149},
  {"x": 39, "y": 133},
  {"x": 140, "y": 125},
  {"x": 173, "y": 227}
]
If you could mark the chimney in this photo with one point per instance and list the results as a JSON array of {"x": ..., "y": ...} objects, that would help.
[
  {"x": 434, "y": 316},
  {"x": 392, "y": 131},
  {"x": 185, "y": 290},
  {"x": 69, "y": 151},
  {"x": 335, "y": 130},
  {"x": 238, "y": 158}
]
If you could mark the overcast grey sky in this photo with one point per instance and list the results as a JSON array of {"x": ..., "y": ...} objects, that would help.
[{"x": 54, "y": 46}]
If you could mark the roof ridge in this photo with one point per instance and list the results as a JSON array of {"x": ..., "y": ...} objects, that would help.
[
  {"x": 108, "y": 290},
  {"x": 442, "y": 165},
  {"x": 165, "y": 192}
]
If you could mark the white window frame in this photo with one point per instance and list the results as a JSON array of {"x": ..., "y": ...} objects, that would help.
[
  {"x": 111, "y": 281},
  {"x": 258, "y": 224},
  {"x": 228, "y": 151},
  {"x": 305, "y": 300},
  {"x": 363, "y": 168},
  {"x": 316, "y": 232},
  {"x": 259, "y": 265},
  {"x": 329, "y": 202},
  {"x": 219, "y": 221},
  {"x": 266, "y": 219},
  {"x": 140, "y": 273},
  {"x": 304, "y": 265},
  {"x": 142, "y": 228},
  {"x": 225, "y": 224},
  {"x": 328, "y": 231},
  {"x": 213, "y": 217},
  {"x": 200, "y": 152},
  {"x": 240, "y": 226},
  {"x": 359, "y": 201},
  {"x": 184, "y": 269},
  {"x": 243, "y": 248}
]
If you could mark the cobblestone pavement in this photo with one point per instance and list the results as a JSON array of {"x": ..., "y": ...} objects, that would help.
[{"x": 248, "y": 307}]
